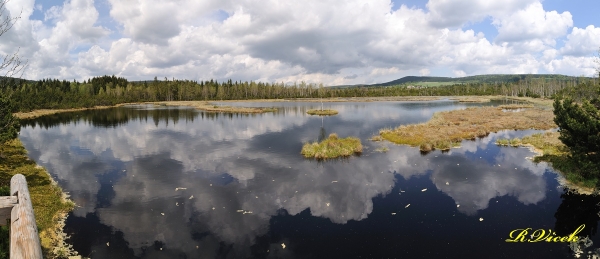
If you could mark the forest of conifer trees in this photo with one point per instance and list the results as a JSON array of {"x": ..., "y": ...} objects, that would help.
[{"x": 110, "y": 90}]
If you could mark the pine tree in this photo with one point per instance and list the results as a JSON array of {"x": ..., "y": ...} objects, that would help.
[{"x": 579, "y": 127}]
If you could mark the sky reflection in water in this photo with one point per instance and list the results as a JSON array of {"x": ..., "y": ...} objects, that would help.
[{"x": 162, "y": 182}]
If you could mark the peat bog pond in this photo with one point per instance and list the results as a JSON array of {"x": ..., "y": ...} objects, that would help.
[{"x": 175, "y": 182}]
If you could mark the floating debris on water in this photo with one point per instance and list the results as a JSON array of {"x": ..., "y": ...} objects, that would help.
[
  {"x": 177, "y": 204},
  {"x": 480, "y": 219},
  {"x": 213, "y": 208},
  {"x": 180, "y": 188},
  {"x": 457, "y": 205},
  {"x": 247, "y": 212},
  {"x": 407, "y": 206},
  {"x": 333, "y": 181},
  {"x": 240, "y": 211},
  {"x": 424, "y": 190},
  {"x": 191, "y": 197},
  {"x": 447, "y": 183},
  {"x": 162, "y": 213},
  {"x": 327, "y": 204},
  {"x": 393, "y": 213},
  {"x": 107, "y": 244}
]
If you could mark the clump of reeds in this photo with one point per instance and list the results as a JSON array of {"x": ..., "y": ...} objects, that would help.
[
  {"x": 332, "y": 147},
  {"x": 448, "y": 129},
  {"x": 382, "y": 149},
  {"x": 322, "y": 112},
  {"x": 376, "y": 138}
]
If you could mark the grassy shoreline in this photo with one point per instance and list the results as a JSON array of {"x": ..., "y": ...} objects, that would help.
[
  {"x": 43, "y": 112},
  {"x": 210, "y": 107},
  {"x": 548, "y": 148},
  {"x": 50, "y": 204}
]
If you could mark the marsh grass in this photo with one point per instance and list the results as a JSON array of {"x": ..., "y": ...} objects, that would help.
[
  {"x": 471, "y": 99},
  {"x": 322, "y": 112},
  {"x": 206, "y": 106},
  {"x": 38, "y": 113},
  {"x": 538, "y": 102},
  {"x": 49, "y": 204},
  {"x": 332, "y": 147},
  {"x": 448, "y": 129}
]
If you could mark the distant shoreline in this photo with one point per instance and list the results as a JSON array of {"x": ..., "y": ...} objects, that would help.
[{"x": 210, "y": 107}]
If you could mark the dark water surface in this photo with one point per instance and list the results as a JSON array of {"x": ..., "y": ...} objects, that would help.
[{"x": 168, "y": 182}]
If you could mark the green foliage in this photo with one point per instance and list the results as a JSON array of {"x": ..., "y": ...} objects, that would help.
[
  {"x": 9, "y": 124},
  {"x": 579, "y": 125}
]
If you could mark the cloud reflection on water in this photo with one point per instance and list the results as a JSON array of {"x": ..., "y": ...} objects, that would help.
[{"x": 142, "y": 165}]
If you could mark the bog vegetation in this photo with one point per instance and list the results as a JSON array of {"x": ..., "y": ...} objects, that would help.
[
  {"x": 448, "y": 129},
  {"x": 332, "y": 147}
]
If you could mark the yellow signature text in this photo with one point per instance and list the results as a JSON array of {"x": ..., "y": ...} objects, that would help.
[{"x": 541, "y": 235}]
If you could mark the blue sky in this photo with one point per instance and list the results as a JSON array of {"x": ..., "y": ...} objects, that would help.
[{"x": 328, "y": 42}]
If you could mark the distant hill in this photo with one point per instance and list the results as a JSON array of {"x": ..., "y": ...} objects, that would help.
[
  {"x": 439, "y": 81},
  {"x": 3, "y": 78}
]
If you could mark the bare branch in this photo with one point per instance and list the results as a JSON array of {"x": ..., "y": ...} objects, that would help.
[
  {"x": 11, "y": 65},
  {"x": 6, "y": 21}
]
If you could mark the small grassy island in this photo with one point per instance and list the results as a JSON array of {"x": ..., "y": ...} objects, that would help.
[
  {"x": 322, "y": 112},
  {"x": 448, "y": 129},
  {"x": 332, "y": 147}
]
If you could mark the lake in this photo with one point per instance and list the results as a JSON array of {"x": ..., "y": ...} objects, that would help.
[{"x": 175, "y": 182}]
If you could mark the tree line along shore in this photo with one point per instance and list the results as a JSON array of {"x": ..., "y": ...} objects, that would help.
[{"x": 111, "y": 90}]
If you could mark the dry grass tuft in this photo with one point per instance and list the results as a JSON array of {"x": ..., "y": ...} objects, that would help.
[
  {"x": 448, "y": 129},
  {"x": 376, "y": 138}
]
